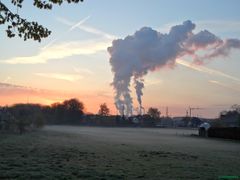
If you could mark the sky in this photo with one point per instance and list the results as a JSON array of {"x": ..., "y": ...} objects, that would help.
[{"x": 74, "y": 61}]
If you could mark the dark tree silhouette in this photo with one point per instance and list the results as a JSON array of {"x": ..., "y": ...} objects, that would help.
[
  {"x": 104, "y": 110},
  {"x": 68, "y": 112},
  {"x": 154, "y": 112},
  {"x": 27, "y": 115},
  {"x": 17, "y": 25},
  {"x": 229, "y": 115},
  {"x": 236, "y": 107},
  {"x": 58, "y": 113},
  {"x": 73, "y": 105},
  {"x": 73, "y": 111}
]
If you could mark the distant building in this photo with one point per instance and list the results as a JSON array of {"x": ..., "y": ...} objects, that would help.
[
  {"x": 165, "y": 122},
  {"x": 187, "y": 122},
  {"x": 195, "y": 122},
  {"x": 178, "y": 121}
]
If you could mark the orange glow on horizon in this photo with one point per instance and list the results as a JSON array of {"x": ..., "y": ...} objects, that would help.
[
  {"x": 93, "y": 99},
  {"x": 91, "y": 103}
]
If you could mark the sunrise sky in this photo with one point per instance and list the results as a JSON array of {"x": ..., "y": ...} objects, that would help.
[{"x": 74, "y": 62}]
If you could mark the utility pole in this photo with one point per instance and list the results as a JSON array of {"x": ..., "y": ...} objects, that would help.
[{"x": 167, "y": 111}]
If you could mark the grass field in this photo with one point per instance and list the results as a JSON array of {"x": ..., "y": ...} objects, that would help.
[{"x": 65, "y": 152}]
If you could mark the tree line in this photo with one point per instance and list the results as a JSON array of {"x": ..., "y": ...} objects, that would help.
[{"x": 23, "y": 117}]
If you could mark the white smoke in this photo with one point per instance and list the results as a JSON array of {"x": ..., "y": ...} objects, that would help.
[
  {"x": 149, "y": 50},
  {"x": 139, "y": 85},
  {"x": 223, "y": 49}
]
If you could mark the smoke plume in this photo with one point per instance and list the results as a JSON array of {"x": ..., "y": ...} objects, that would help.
[
  {"x": 139, "y": 85},
  {"x": 149, "y": 50}
]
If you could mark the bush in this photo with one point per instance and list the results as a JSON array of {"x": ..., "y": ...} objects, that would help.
[
  {"x": 38, "y": 121},
  {"x": 226, "y": 133}
]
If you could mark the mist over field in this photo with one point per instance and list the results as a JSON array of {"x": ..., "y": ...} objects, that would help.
[
  {"x": 71, "y": 152},
  {"x": 175, "y": 139}
]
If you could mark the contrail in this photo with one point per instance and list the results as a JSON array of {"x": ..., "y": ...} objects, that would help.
[
  {"x": 92, "y": 30},
  {"x": 50, "y": 43},
  {"x": 69, "y": 30},
  {"x": 205, "y": 69},
  {"x": 78, "y": 23},
  {"x": 223, "y": 85},
  {"x": 89, "y": 29}
]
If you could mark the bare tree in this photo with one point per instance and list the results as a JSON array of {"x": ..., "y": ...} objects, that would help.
[
  {"x": 154, "y": 112},
  {"x": 104, "y": 110}
]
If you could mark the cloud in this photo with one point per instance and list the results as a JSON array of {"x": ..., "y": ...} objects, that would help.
[
  {"x": 222, "y": 49},
  {"x": 201, "y": 39},
  {"x": 60, "y": 51},
  {"x": 133, "y": 57},
  {"x": 13, "y": 93},
  {"x": 83, "y": 70},
  {"x": 61, "y": 76},
  {"x": 220, "y": 25},
  {"x": 7, "y": 88},
  {"x": 153, "y": 82},
  {"x": 213, "y": 25},
  {"x": 8, "y": 78},
  {"x": 8, "y": 85},
  {"x": 104, "y": 94}
]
